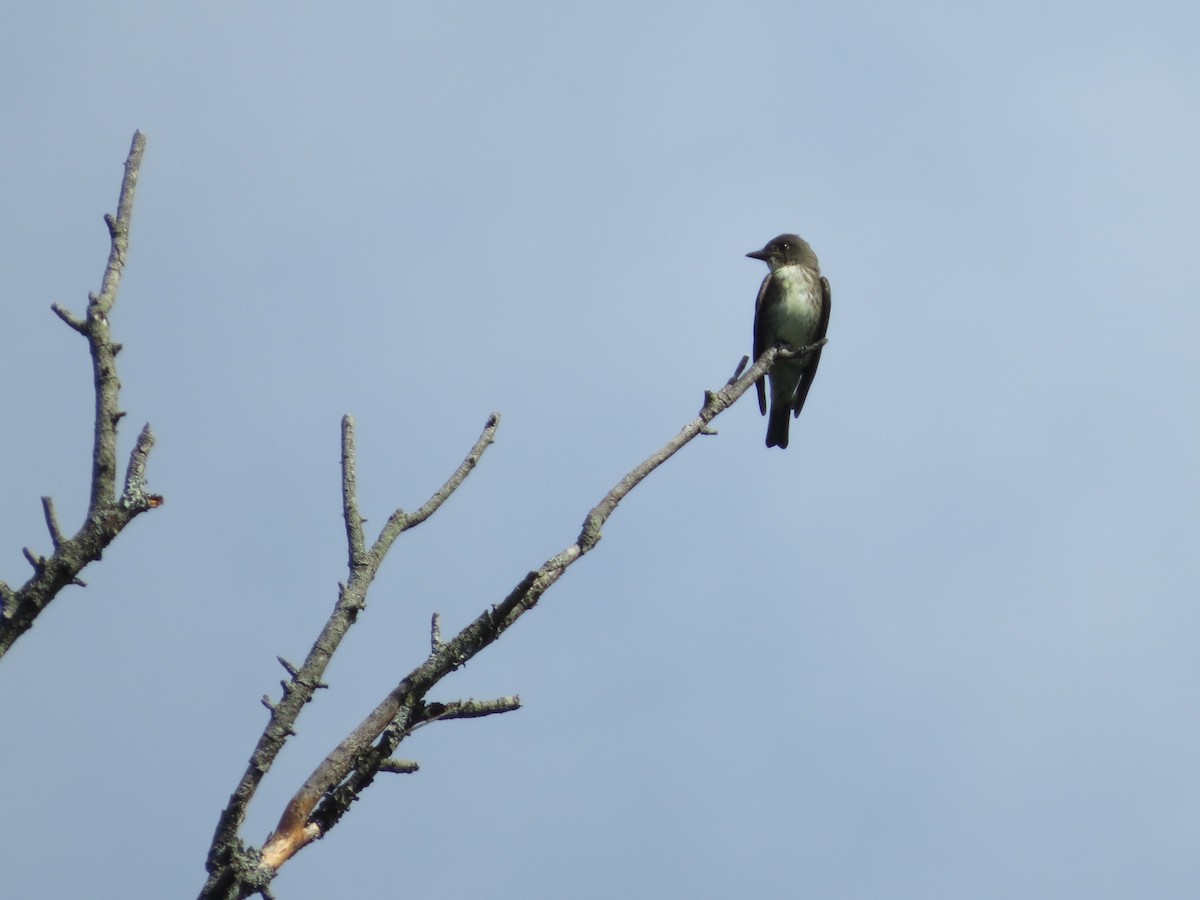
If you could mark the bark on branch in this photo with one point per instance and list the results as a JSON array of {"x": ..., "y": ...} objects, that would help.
[
  {"x": 234, "y": 869},
  {"x": 108, "y": 514},
  {"x": 238, "y": 871}
]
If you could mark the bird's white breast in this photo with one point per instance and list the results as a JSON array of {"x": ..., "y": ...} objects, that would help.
[{"x": 799, "y": 313}]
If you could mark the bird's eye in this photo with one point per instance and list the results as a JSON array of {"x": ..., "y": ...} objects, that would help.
[{"x": 784, "y": 245}]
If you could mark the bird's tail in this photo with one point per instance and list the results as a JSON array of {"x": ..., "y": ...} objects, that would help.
[{"x": 777, "y": 425}]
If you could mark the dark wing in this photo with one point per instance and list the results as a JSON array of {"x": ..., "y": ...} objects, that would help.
[
  {"x": 810, "y": 371},
  {"x": 760, "y": 340}
]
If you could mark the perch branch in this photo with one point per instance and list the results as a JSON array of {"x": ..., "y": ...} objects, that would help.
[{"x": 353, "y": 764}]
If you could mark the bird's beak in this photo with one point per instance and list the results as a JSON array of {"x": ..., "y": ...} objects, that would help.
[{"x": 759, "y": 254}]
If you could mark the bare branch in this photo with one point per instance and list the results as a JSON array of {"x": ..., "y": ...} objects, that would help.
[
  {"x": 227, "y": 856},
  {"x": 118, "y": 228},
  {"x": 399, "y": 766},
  {"x": 106, "y": 517},
  {"x": 237, "y": 871},
  {"x": 354, "y": 533},
  {"x": 470, "y": 709},
  {"x": 38, "y": 562},
  {"x": 399, "y": 521},
  {"x": 134, "y": 492},
  {"x": 741, "y": 367},
  {"x": 435, "y": 633},
  {"x": 73, "y": 322},
  {"x": 353, "y": 764},
  {"x": 56, "y": 536}
]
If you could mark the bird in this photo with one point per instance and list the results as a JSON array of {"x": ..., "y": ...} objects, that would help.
[{"x": 792, "y": 310}]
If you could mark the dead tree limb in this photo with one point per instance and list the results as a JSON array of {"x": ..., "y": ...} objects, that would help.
[
  {"x": 238, "y": 871},
  {"x": 108, "y": 513}
]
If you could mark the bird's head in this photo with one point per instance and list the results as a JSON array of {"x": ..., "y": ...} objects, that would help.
[{"x": 787, "y": 249}]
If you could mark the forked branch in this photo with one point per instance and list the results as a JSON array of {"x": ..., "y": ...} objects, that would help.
[
  {"x": 108, "y": 514},
  {"x": 237, "y": 871},
  {"x": 234, "y": 869}
]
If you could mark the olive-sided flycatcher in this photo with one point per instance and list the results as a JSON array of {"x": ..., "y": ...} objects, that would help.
[{"x": 793, "y": 310}]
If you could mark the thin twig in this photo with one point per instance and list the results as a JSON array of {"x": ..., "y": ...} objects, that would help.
[
  {"x": 471, "y": 709},
  {"x": 399, "y": 766},
  {"x": 355, "y": 543},
  {"x": 73, "y": 322},
  {"x": 56, "y": 535},
  {"x": 400, "y": 521},
  {"x": 38, "y": 562},
  {"x": 435, "y": 633}
]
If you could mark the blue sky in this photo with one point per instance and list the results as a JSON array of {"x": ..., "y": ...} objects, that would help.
[{"x": 943, "y": 646}]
